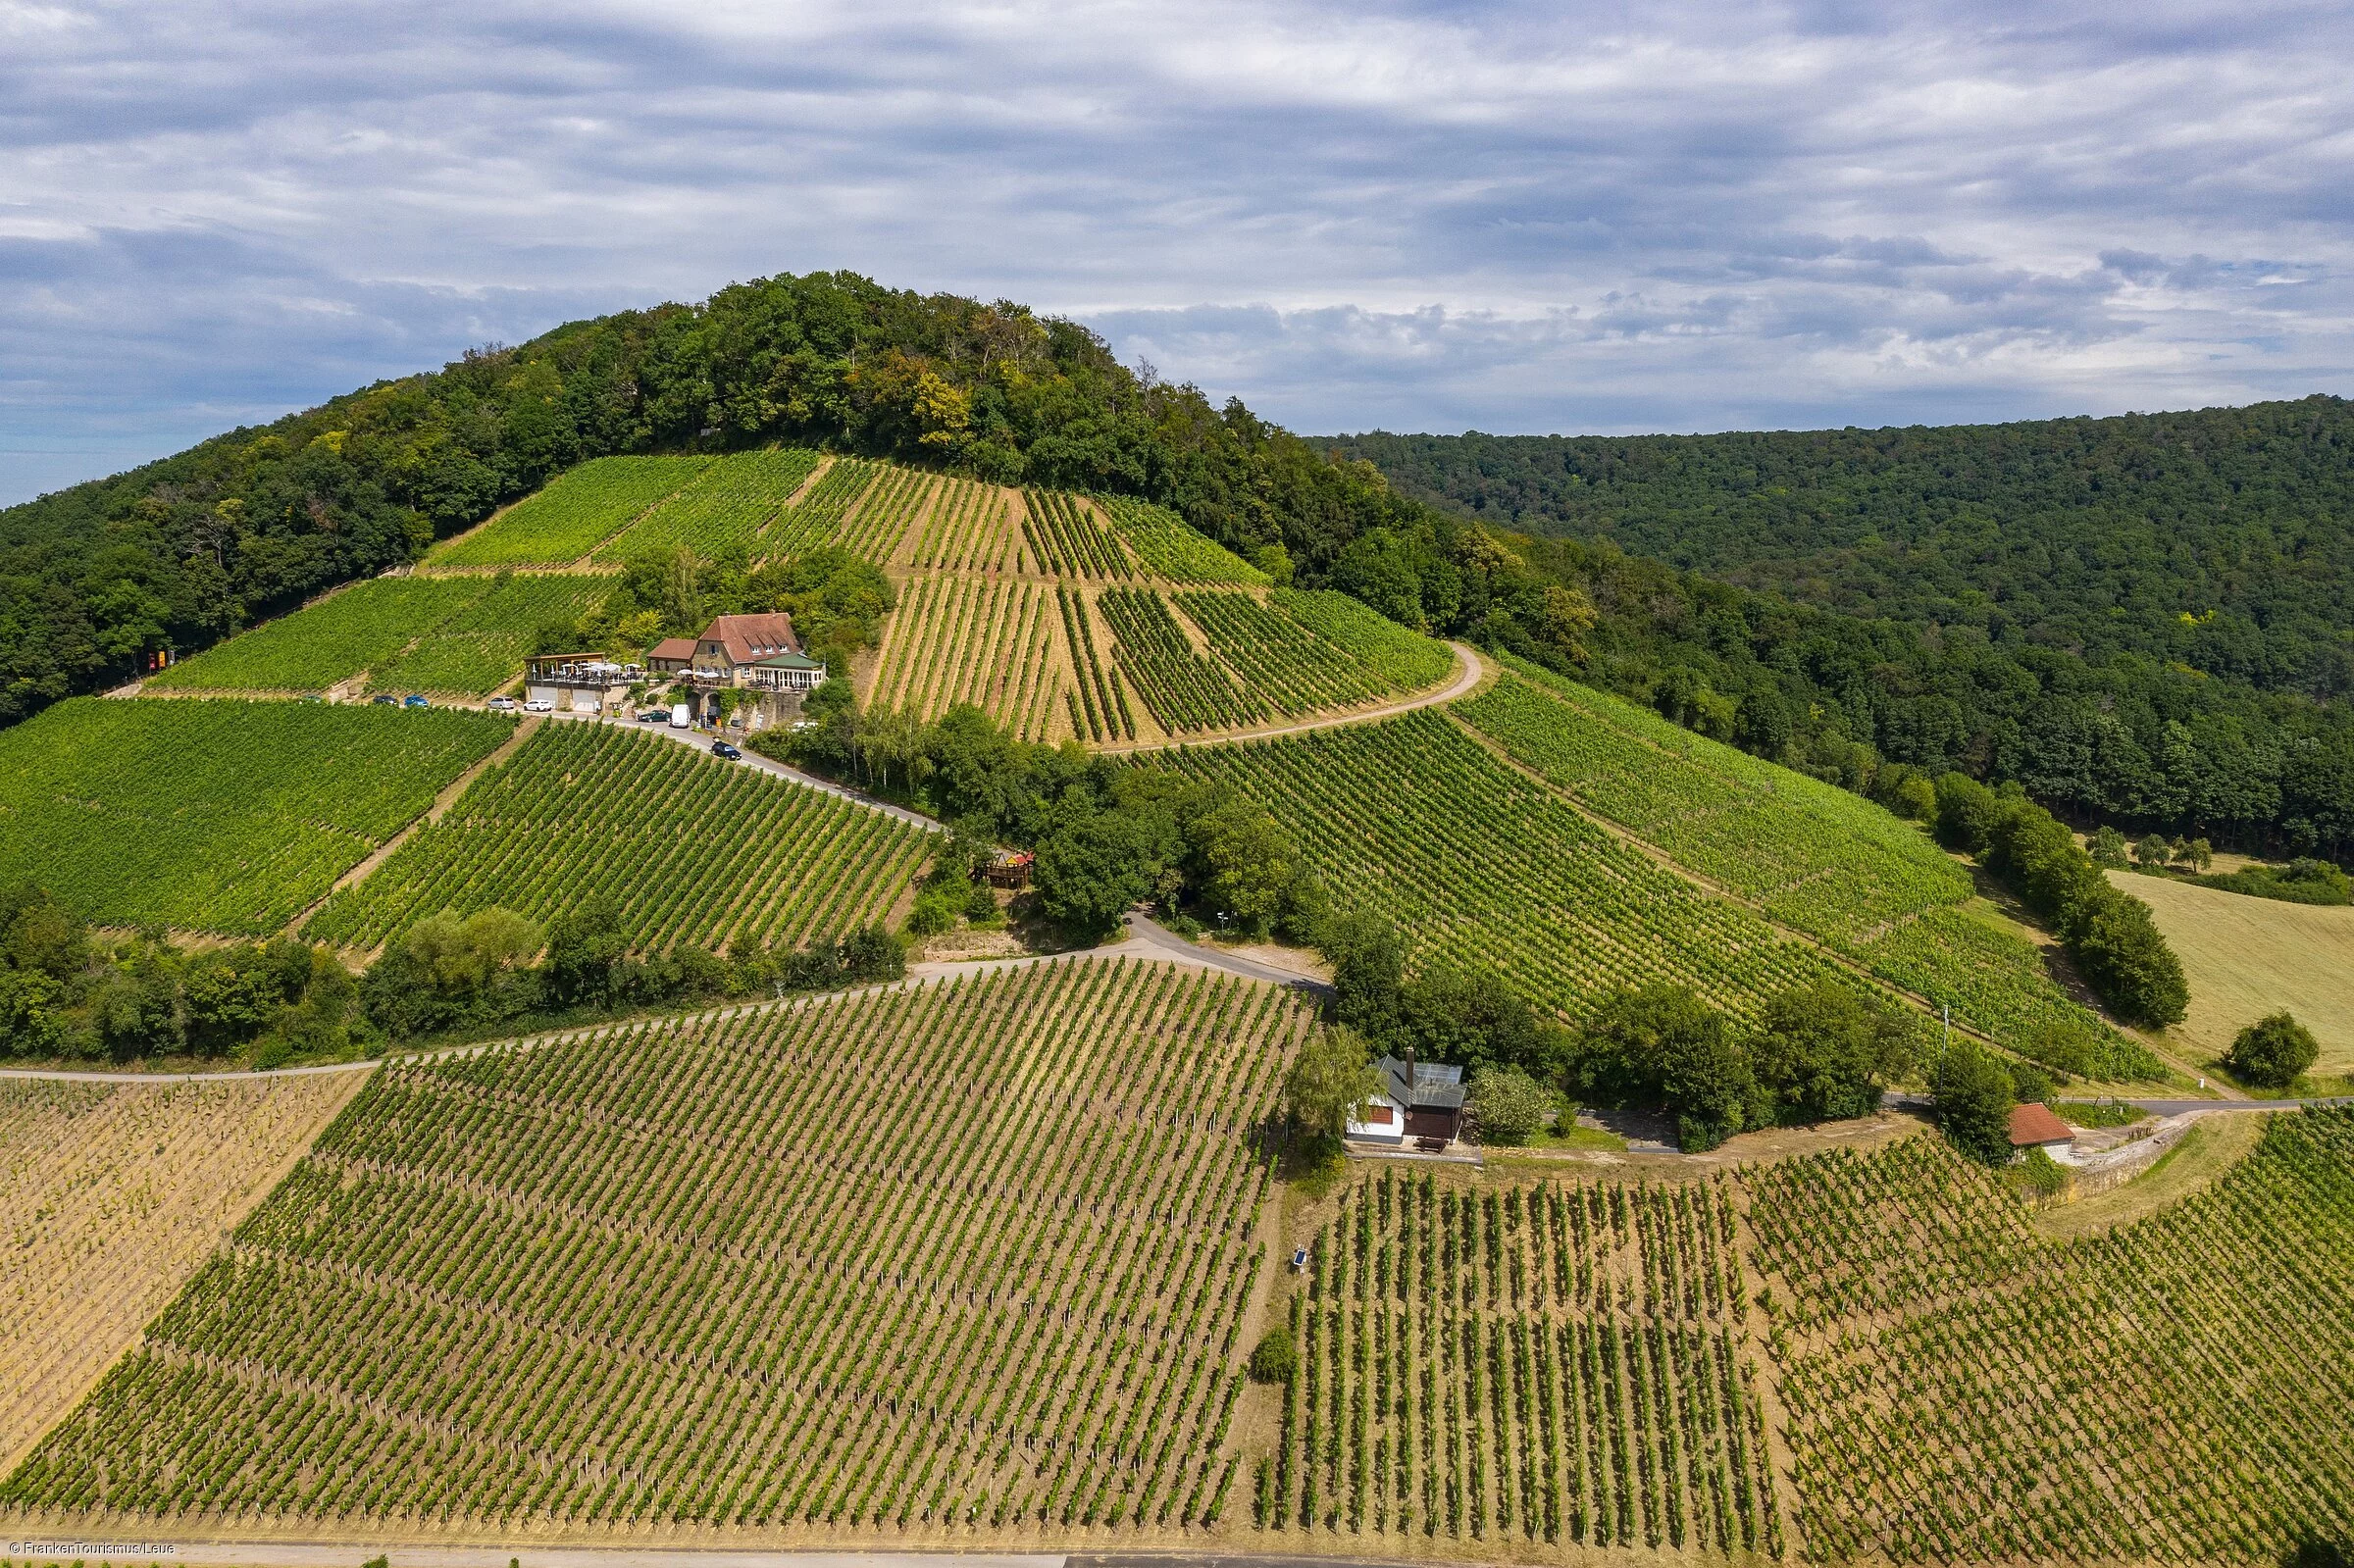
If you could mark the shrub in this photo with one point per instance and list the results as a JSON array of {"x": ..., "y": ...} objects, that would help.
[
  {"x": 1276, "y": 1357},
  {"x": 2301, "y": 882},
  {"x": 1705, "y": 1082},
  {"x": 1823, "y": 1051},
  {"x": 2271, "y": 1052},
  {"x": 1328, "y": 1082},
  {"x": 936, "y": 910},
  {"x": 1965, "y": 813},
  {"x": 981, "y": 905},
  {"x": 1506, "y": 1104},
  {"x": 2039, "y": 1174}
]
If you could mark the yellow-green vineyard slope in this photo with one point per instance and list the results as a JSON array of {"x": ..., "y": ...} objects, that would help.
[
  {"x": 1061, "y": 615},
  {"x": 1114, "y": 622},
  {"x": 110, "y": 1197},
  {"x": 1516, "y": 1369},
  {"x": 1809, "y": 857},
  {"x": 973, "y": 1254},
  {"x": 1958, "y": 1389}
]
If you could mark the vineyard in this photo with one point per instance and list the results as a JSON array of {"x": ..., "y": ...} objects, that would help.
[
  {"x": 1183, "y": 689},
  {"x": 1005, "y": 643},
  {"x": 212, "y": 814},
  {"x": 722, "y": 510},
  {"x": 1172, "y": 548},
  {"x": 970, "y": 1254},
  {"x": 1297, "y": 670},
  {"x": 986, "y": 640},
  {"x": 482, "y": 645},
  {"x": 1995, "y": 981},
  {"x": 1559, "y": 1363},
  {"x": 1959, "y": 1389},
  {"x": 970, "y": 529},
  {"x": 1404, "y": 659},
  {"x": 1813, "y": 857},
  {"x": 578, "y": 511},
  {"x": 110, "y": 1199},
  {"x": 817, "y": 517},
  {"x": 885, "y": 512},
  {"x": 460, "y": 636},
  {"x": 1099, "y": 709},
  {"x": 689, "y": 849},
  {"x": 1482, "y": 866},
  {"x": 1067, "y": 542},
  {"x": 365, "y": 624}
]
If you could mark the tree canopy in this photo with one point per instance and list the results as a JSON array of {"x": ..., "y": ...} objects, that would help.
[{"x": 2271, "y": 1052}]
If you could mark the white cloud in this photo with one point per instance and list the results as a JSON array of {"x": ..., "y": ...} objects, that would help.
[{"x": 1616, "y": 217}]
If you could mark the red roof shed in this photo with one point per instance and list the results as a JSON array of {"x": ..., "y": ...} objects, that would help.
[{"x": 2034, "y": 1126}]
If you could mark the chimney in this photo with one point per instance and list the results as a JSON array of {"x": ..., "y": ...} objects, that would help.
[{"x": 1410, "y": 1078}]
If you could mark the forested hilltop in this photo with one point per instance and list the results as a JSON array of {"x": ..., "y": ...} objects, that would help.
[
  {"x": 96, "y": 579},
  {"x": 2220, "y": 539}
]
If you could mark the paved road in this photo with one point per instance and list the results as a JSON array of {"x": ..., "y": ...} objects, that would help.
[
  {"x": 2178, "y": 1107},
  {"x": 1160, "y": 942},
  {"x": 701, "y": 742}
]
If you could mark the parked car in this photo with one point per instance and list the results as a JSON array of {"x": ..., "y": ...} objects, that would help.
[
  {"x": 538, "y": 705},
  {"x": 654, "y": 716},
  {"x": 502, "y": 704},
  {"x": 385, "y": 699},
  {"x": 720, "y": 748}
]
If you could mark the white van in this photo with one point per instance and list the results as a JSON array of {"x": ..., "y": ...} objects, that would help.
[{"x": 677, "y": 715}]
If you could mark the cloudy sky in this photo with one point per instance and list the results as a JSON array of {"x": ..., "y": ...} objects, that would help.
[{"x": 1608, "y": 216}]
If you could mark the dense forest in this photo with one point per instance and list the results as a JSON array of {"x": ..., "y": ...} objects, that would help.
[
  {"x": 1942, "y": 620},
  {"x": 2222, "y": 540}
]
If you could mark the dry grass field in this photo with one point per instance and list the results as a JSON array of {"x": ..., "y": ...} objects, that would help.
[
  {"x": 110, "y": 1197},
  {"x": 2245, "y": 957}
]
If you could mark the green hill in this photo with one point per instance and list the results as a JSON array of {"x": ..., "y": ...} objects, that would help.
[
  {"x": 2142, "y": 621},
  {"x": 2220, "y": 537},
  {"x": 99, "y": 580},
  {"x": 724, "y": 1223}
]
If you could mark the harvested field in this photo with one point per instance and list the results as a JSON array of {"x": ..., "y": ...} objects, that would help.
[{"x": 2245, "y": 957}]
